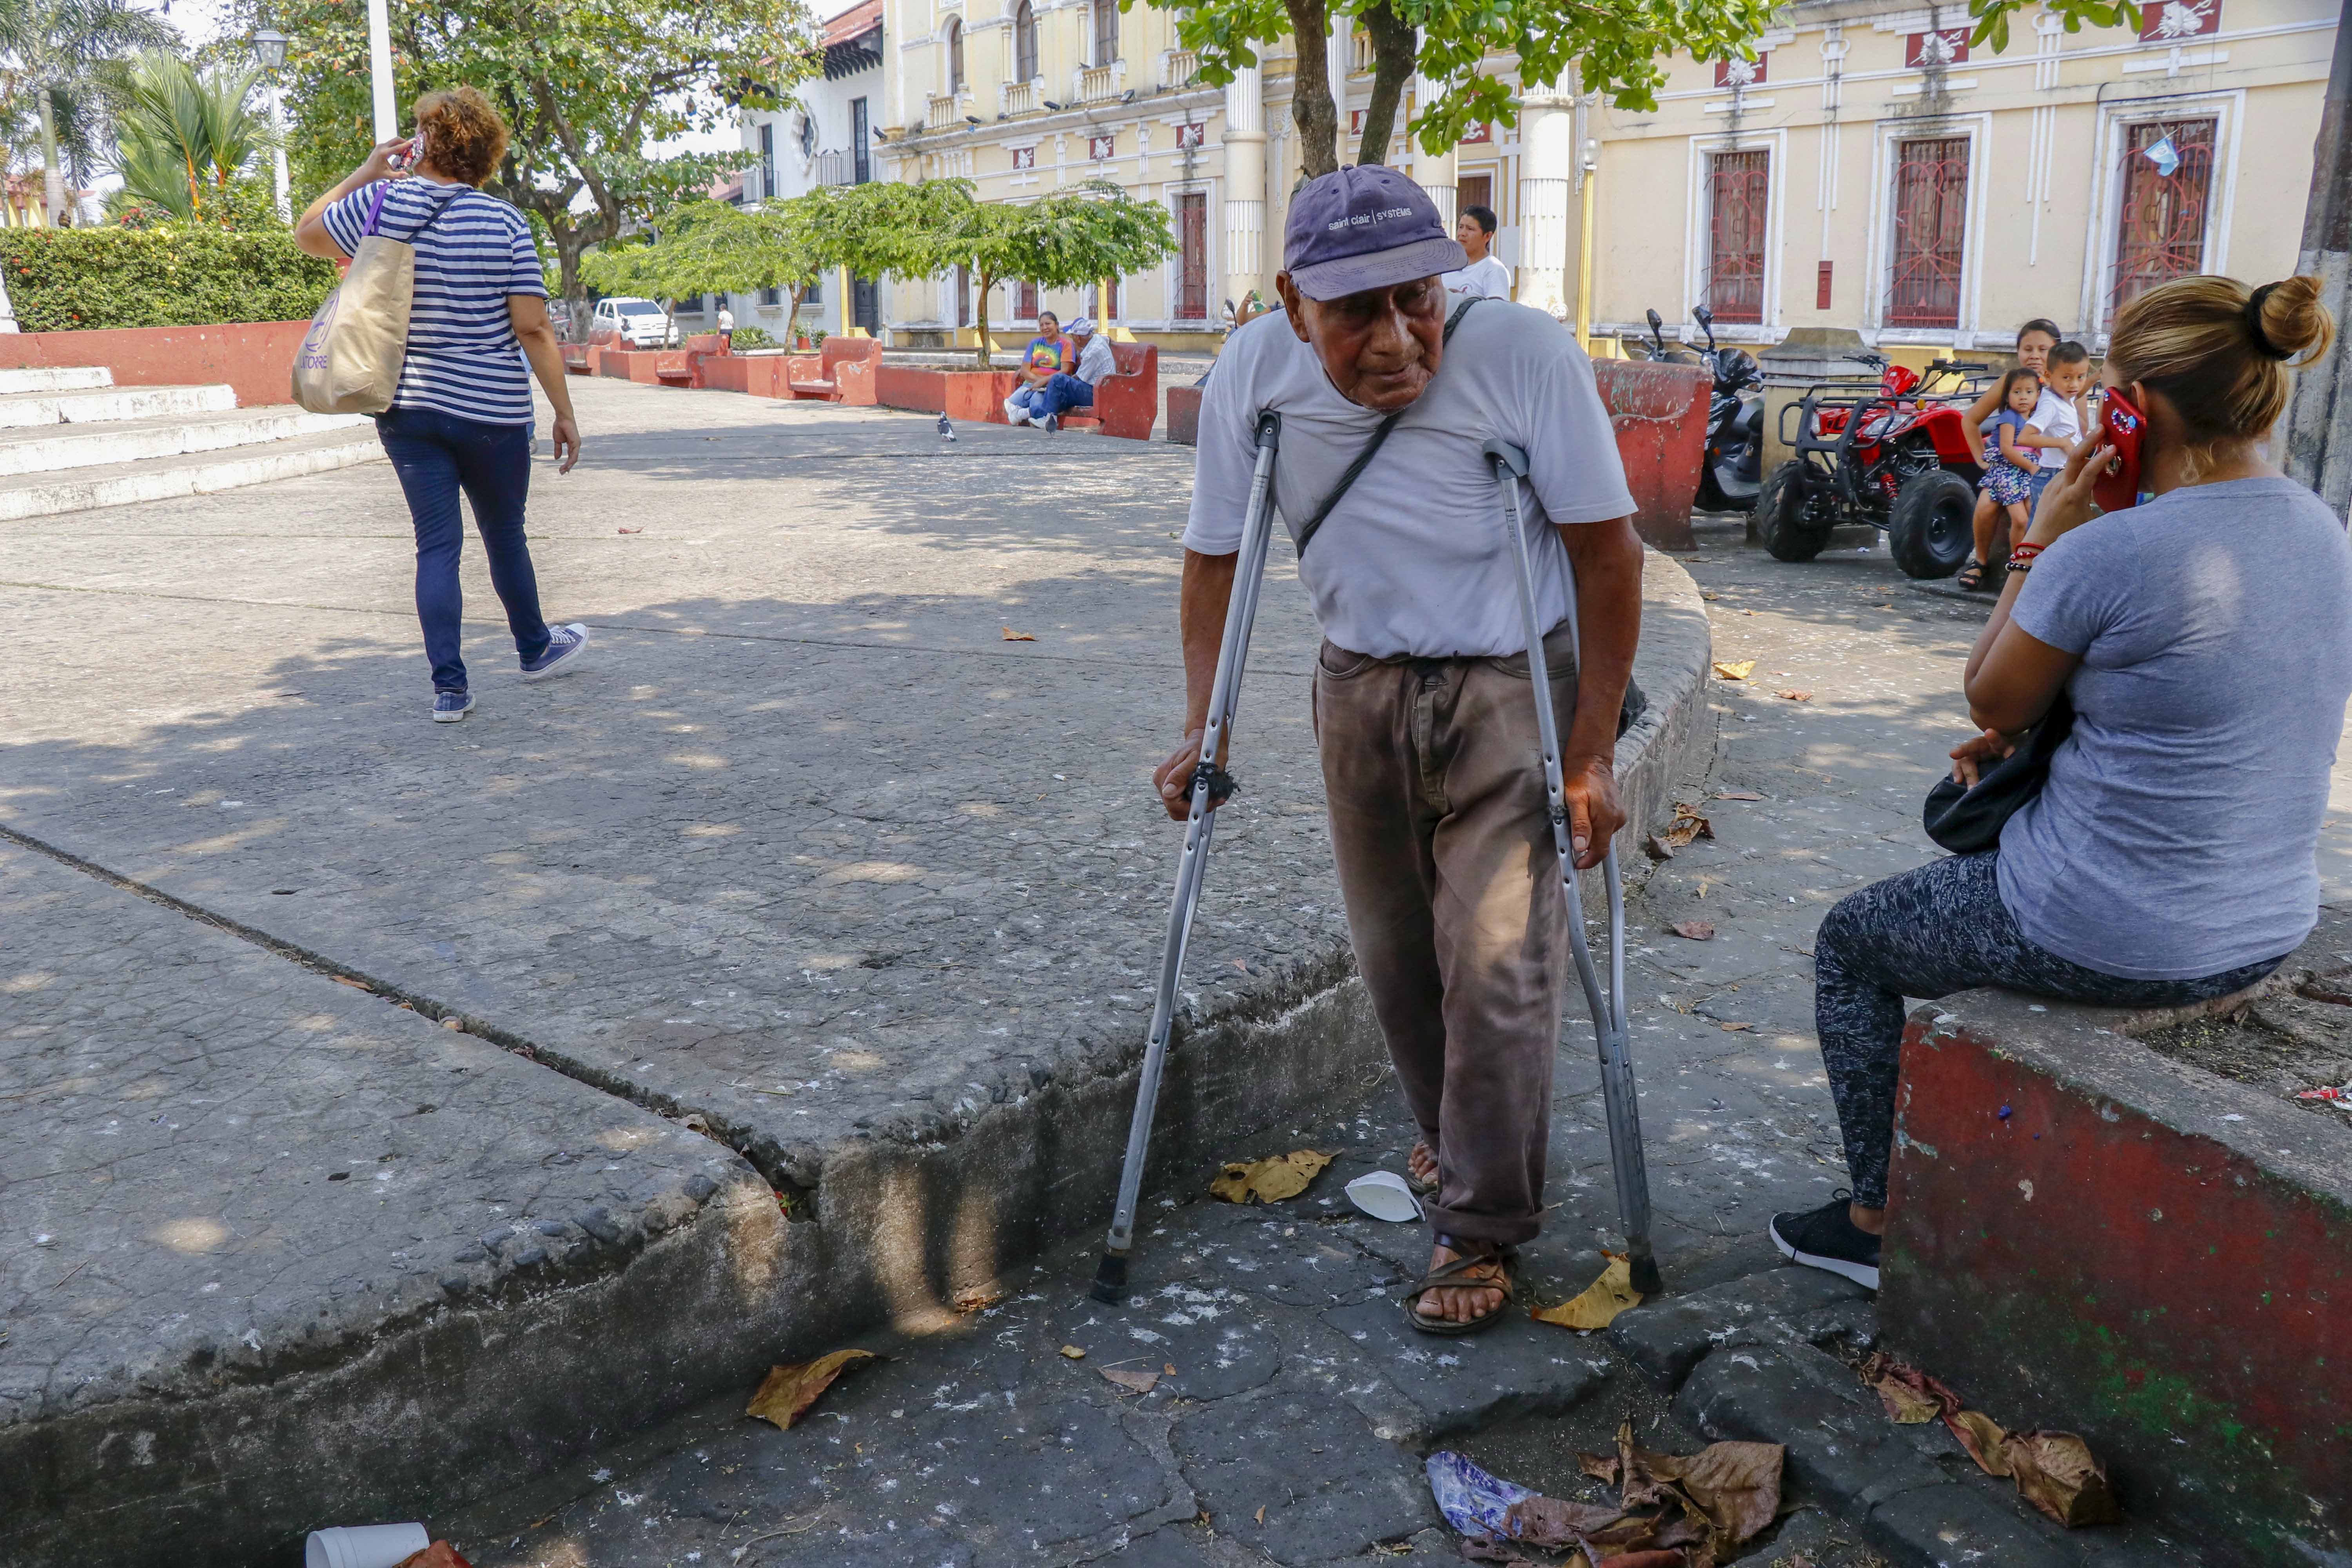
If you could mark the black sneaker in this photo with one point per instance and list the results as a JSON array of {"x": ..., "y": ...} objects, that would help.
[{"x": 1827, "y": 1237}]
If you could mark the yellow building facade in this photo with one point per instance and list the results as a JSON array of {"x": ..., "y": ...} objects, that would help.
[{"x": 1867, "y": 170}]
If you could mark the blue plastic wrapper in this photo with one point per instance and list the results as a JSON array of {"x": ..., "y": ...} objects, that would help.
[{"x": 1473, "y": 1502}]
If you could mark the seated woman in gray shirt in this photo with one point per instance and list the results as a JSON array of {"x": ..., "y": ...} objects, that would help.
[{"x": 2204, "y": 638}]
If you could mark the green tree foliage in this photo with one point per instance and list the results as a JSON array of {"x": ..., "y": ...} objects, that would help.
[
  {"x": 586, "y": 86},
  {"x": 80, "y": 278},
  {"x": 61, "y": 68},
  {"x": 183, "y": 137},
  {"x": 712, "y": 247},
  {"x": 1615, "y": 48}
]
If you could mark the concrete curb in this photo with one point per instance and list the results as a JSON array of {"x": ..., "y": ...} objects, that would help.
[
  {"x": 429, "y": 1411},
  {"x": 162, "y": 479}
]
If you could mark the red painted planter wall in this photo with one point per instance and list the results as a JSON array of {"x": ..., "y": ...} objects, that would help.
[
  {"x": 1659, "y": 412},
  {"x": 255, "y": 358}
]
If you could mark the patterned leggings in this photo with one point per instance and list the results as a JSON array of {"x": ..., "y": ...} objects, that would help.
[{"x": 1929, "y": 932}]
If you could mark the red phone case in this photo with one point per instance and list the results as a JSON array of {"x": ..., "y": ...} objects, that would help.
[{"x": 2121, "y": 427}]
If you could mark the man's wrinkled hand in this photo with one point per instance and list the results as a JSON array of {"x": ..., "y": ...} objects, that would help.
[
  {"x": 1594, "y": 814},
  {"x": 1174, "y": 778}
]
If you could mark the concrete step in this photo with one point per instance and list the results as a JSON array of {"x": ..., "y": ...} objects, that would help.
[
  {"x": 186, "y": 474},
  {"x": 87, "y": 406},
  {"x": 47, "y": 449},
  {"x": 54, "y": 377}
]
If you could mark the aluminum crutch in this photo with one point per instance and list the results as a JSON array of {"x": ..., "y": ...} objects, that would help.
[
  {"x": 1210, "y": 783},
  {"x": 1510, "y": 466}
]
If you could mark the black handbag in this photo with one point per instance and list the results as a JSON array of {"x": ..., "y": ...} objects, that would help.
[{"x": 1967, "y": 820}]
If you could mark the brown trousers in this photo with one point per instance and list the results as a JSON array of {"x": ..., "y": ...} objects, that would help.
[{"x": 1433, "y": 777}]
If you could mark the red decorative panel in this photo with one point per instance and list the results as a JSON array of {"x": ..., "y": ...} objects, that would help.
[
  {"x": 1478, "y": 134},
  {"x": 1931, "y": 51},
  {"x": 2168, "y": 182},
  {"x": 1024, "y": 157},
  {"x": 1101, "y": 147},
  {"x": 1739, "y": 208},
  {"x": 2168, "y": 21},
  {"x": 1931, "y": 206},
  {"x": 1737, "y": 72},
  {"x": 1821, "y": 287},
  {"x": 1194, "y": 134}
]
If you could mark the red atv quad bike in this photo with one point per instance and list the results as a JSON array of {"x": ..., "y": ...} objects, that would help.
[{"x": 1897, "y": 458}]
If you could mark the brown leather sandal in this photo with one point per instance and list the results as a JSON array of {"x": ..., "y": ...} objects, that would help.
[{"x": 1483, "y": 1264}]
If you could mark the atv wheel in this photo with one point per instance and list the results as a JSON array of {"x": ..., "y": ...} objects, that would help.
[
  {"x": 1780, "y": 515},
  {"x": 1929, "y": 530}
]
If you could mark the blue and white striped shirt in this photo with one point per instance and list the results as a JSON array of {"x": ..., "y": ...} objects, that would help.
[{"x": 462, "y": 357}]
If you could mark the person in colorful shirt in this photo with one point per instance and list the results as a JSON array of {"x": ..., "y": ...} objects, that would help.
[{"x": 1049, "y": 354}]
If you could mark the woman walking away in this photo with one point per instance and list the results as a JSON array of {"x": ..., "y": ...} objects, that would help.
[
  {"x": 2008, "y": 471},
  {"x": 2204, "y": 639},
  {"x": 461, "y": 418}
]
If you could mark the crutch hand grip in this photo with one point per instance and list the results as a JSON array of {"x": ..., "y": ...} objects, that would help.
[
  {"x": 1512, "y": 458},
  {"x": 1269, "y": 429}
]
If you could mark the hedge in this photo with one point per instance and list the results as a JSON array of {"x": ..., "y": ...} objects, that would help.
[{"x": 80, "y": 278}]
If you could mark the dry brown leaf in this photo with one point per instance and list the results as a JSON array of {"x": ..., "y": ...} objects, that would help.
[
  {"x": 1261, "y": 1513},
  {"x": 1133, "y": 1382},
  {"x": 1795, "y": 696},
  {"x": 1735, "y": 1485},
  {"x": 2057, "y": 1474},
  {"x": 1073, "y": 1352},
  {"x": 1735, "y": 1028},
  {"x": 1686, "y": 826},
  {"x": 440, "y": 1554},
  {"x": 1552, "y": 1523},
  {"x": 1985, "y": 1438},
  {"x": 1694, "y": 931},
  {"x": 1011, "y": 636},
  {"x": 1600, "y": 1302},
  {"x": 977, "y": 1297},
  {"x": 1271, "y": 1180},
  {"x": 787, "y": 1392},
  {"x": 1730, "y": 669},
  {"x": 1737, "y": 794},
  {"x": 1657, "y": 848},
  {"x": 1168, "y": 1369},
  {"x": 355, "y": 984}
]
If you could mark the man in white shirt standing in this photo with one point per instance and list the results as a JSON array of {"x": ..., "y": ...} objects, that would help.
[
  {"x": 1432, "y": 766},
  {"x": 1065, "y": 390},
  {"x": 1485, "y": 275},
  {"x": 726, "y": 325}
]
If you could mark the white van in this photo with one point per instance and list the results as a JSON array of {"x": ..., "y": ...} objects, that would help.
[{"x": 640, "y": 324}]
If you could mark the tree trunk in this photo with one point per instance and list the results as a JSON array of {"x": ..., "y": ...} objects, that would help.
[
  {"x": 1395, "y": 51},
  {"x": 986, "y": 283},
  {"x": 53, "y": 191},
  {"x": 1311, "y": 109}
]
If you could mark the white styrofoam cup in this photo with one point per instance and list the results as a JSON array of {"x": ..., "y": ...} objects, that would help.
[{"x": 364, "y": 1545}]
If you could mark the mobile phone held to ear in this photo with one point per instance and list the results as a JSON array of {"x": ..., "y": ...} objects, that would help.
[
  {"x": 406, "y": 157},
  {"x": 2121, "y": 427}
]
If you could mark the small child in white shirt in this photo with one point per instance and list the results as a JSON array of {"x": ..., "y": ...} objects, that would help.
[{"x": 2062, "y": 414}]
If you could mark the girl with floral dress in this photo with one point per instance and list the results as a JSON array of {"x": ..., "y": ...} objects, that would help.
[{"x": 2008, "y": 471}]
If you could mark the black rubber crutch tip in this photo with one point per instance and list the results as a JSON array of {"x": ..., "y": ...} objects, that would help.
[
  {"x": 1642, "y": 1271},
  {"x": 1110, "y": 1280}
]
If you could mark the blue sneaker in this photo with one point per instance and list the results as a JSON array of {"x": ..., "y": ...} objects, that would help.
[
  {"x": 448, "y": 707},
  {"x": 564, "y": 645}
]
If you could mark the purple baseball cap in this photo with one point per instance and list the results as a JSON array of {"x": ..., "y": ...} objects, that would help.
[{"x": 1364, "y": 228}]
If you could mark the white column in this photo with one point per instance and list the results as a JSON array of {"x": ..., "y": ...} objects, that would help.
[
  {"x": 1338, "y": 58},
  {"x": 1547, "y": 154},
  {"x": 387, "y": 113},
  {"x": 278, "y": 146},
  {"x": 1434, "y": 172},
  {"x": 1244, "y": 184}
]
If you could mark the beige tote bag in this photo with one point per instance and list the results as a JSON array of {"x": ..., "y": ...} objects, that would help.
[{"x": 350, "y": 359}]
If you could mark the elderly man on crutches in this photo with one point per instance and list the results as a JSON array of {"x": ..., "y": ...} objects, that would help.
[{"x": 1389, "y": 391}]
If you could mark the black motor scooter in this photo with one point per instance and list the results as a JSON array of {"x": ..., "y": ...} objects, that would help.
[{"x": 1732, "y": 467}]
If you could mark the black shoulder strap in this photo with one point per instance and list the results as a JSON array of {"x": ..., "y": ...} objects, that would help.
[
  {"x": 439, "y": 211},
  {"x": 1379, "y": 435}
]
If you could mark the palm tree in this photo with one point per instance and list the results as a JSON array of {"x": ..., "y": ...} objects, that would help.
[
  {"x": 182, "y": 136},
  {"x": 60, "y": 52}
]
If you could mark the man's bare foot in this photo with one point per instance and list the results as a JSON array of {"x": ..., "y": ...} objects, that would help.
[
  {"x": 1421, "y": 1164},
  {"x": 1459, "y": 1303}
]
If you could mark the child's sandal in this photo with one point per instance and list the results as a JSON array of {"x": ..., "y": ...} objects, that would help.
[{"x": 1972, "y": 577}]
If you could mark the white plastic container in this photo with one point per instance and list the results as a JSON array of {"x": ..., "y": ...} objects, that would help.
[
  {"x": 1383, "y": 1194},
  {"x": 364, "y": 1545}
]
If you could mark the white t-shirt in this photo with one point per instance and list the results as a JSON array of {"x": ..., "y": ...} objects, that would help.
[
  {"x": 2055, "y": 414},
  {"x": 1412, "y": 561},
  {"x": 1487, "y": 278},
  {"x": 726, "y": 319}
]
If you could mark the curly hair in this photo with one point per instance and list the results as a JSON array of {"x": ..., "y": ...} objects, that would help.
[{"x": 463, "y": 137}]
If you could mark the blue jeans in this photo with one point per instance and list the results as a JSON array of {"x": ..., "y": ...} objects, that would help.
[
  {"x": 1061, "y": 394},
  {"x": 436, "y": 455}
]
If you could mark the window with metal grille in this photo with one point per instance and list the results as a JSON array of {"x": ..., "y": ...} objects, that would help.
[
  {"x": 1025, "y": 43},
  {"x": 861, "y": 141},
  {"x": 1738, "y": 196},
  {"x": 1192, "y": 254},
  {"x": 1931, "y": 206},
  {"x": 2167, "y": 180},
  {"x": 767, "y": 160},
  {"x": 1106, "y": 31},
  {"x": 1025, "y": 307}
]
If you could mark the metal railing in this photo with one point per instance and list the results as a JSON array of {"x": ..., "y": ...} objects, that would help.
[{"x": 831, "y": 169}]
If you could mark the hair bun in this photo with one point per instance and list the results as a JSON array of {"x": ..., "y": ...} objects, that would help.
[{"x": 2294, "y": 320}]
